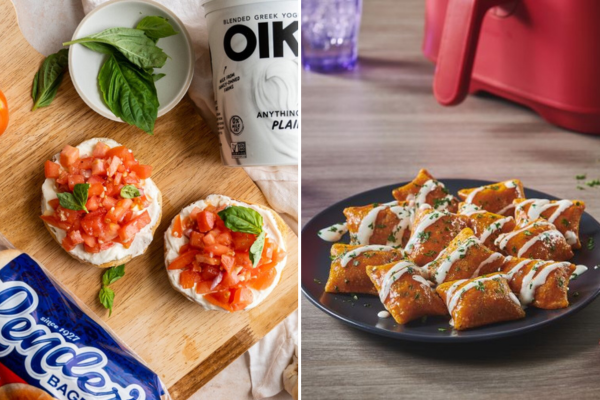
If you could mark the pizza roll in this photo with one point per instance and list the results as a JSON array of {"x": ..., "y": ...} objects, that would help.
[
  {"x": 496, "y": 198},
  {"x": 539, "y": 283},
  {"x": 564, "y": 214},
  {"x": 432, "y": 231},
  {"x": 539, "y": 239},
  {"x": 387, "y": 224},
  {"x": 464, "y": 258},
  {"x": 348, "y": 266},
  {"x": 480, "y": 301},
  {"x": 487, "y": 226},
  {"x": 425, "y": 189},
  {"x": 404, "y": 292}
]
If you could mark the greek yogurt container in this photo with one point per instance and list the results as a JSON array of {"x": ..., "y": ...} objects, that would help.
[{"x": 254, "y": 53}]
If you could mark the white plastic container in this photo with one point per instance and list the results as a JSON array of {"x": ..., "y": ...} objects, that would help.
[{"x": 254, "y": 51}]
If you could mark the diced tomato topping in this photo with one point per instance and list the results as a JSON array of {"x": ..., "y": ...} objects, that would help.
[
  {"x": 122, "y": 152},
  {"x": 177, "y": 230},
  {"x": 206, "y": 221},
  {"x": 88, "y": 240},
  {"x": 243, "y": 260},
  {"x": 93, "y": 203},
  {"x": 74, "y": 180},
  {"x": 113, "y": 166},
  {"x": 264, "y": 278},
  {"x": 69, "y": 156},
  {"x": 209, "y": 272},
  {"x": 68, "y": 244},
  {"x": 228, "y": 262},
  {"x": 75, "y": 237},
  {"x": 116, "y": 213},
  {"x": 54, "y": 203},
  {"x": 98, "y": 167},
  {"x": 241, "y": 299},
  {"x": 184, "y": 260},
  {"x": 203, "y": 287},
  {"x": 93, "y": 223},
  {"x": 86, "y": 163},
  {"x": 96, "y": 179},
  {"x": 128, "y": 231},
  {"x": 204, "y": 259},
  {"x": 100, "y": 150},
  {"x": 142, "y": 171},
  {"x": 217, "y": 249},
  {"x": 109, "y": 202},
  {"x": 96, "y": 189},
  {"x": 51, "y": 220},
  {"x": 51, "y": 170},
  {"x": 242, "y": 241},
  {"x": 196, "y": 240},
  {"x": 187, "y": 279}
]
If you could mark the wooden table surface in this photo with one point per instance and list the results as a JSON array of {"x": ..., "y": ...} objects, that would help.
[{"x": 377, "y": 126}]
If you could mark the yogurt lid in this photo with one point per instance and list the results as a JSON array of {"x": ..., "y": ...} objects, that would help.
[{"x": 213, "y": 5}]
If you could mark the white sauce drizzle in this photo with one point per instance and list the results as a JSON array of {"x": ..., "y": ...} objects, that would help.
[
  {"x": 472, "y": 195},
  {"x": 535, "y": 278},
  {"x": 469, "y": 209},
  {"x": 579, "y": 269},
  {"x": 453, "y": 295},
  {"x": 502, "y": 240},
  {"x": 392, "y": 275},
  {"x": 497, "y": 225},
  {"x": 538, "y": 206},
  {"x": 334, "y": 232},
  {"x": 354, "y": 253},
  {"x": 493, "y": 257},
  {"x": 383, "y": 314},
  {"x": 428, "y": 187},
  {"x": 424, "y": 224},
  {"x": 541, "y": 236},
  {"x": 571, "y": 237},
  {"x": 457, "y": 254},
  {"x": 505, "y": 209},
  {"x": 367, "y": 225}
]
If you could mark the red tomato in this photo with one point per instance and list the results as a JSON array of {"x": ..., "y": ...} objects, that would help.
[
  {"x": 85, "y": 163},
  {"x": 74, "y": 180},
  {"x": 122, "y": 152},
  {"x": 51, "y": 170},
  {"x": 196, "y": 240},
  {"x": 93, "y": 203},
  {"x": 69, "y": 216},
  {"x": 209, "y": 272},
  {"x": 69, "y": 156},
  {"x": 224, "y": 238},
  {"x": 217, "y": 250},
  {"x": 242, "y": 298},
  {"x": 117, "y": 178},
  {"x": 177, "y": 230},
  {"x": 3, "y": 113},
  {"x": 109, "y": 202},
  {"x": 93, "y": 223},
  {"x": 203, "y": 259},
  {"x": 220, "y": 299},
  {"x": 54, "y": 203},
  {"x": 183, "y": 260},
  {"x": 188, "y": 279},
  {"x": 209, "y": 239},
  {"x": 110, "y": 232},
  {"x": 67, "y": 244},
  {"x": 265, "y": 277},
  {"x": 96, "y": 189},
  {"x": 88, "y": 240},
  {"x": 131, "y": 178},
  {"x": 206, "y": 221},
  {"x": 227, "y": 262},
  {"x": 95, "y": 179},
  {"x": 117, "y": 212},
  {"x": 142, "y": 171},
  {"x": 243, "y": 260},
  {"x": 128, "y": 231},
  {"x": 203, "y": 287},
  {"x": 100, "y": 150},
  {"x": 51, "y": 220},
  {"x": 98, "y": 167},
  {"x": 113, "y": 166},
  {"x": 75, "y": 237},
  {"x": 242, "y": 241}
]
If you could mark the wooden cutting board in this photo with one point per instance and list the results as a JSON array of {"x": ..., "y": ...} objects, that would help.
[{"x": 184, "y": 344}]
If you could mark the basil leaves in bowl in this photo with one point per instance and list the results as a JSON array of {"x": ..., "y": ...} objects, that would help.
[{"x": 131, "y": 61}]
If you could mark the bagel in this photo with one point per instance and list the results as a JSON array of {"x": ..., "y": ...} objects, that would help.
[
  {"x": 22, "y": 391},
  {"x": 117, "y": 254},
  {"x": 273, "y": 225}
]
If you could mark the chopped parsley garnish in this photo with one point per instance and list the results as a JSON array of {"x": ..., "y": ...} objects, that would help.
[
  {"x": 527, "y": 233},
  {"x": 580, "y": 177},
  {"x": 424, "y": 236},
  {"x": 442, "y": 329},
  {"x": 430, "y": 253},
  {"x": 595, "y": 182},
  {"x": 333, "y": 229},
  {"x": 317, "y": 281},
  {"x": 391, "y": 238},
  {"x": 367, "y": 305},
  {"x": 480, "y": 286},
  {"x": 565, "y": 222},
  {"x": 590, "y": 243}
]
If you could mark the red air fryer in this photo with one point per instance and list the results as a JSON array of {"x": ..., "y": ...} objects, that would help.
[{"x": 544, "y": 54}]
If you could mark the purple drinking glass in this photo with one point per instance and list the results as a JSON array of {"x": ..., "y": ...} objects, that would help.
[{"x": 330, "y": 34}]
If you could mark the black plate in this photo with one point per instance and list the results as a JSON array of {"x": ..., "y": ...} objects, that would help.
[{"x": 362, "y": 313}]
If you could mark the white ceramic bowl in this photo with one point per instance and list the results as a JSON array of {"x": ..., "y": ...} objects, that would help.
[{"x": 84, "y": 64}]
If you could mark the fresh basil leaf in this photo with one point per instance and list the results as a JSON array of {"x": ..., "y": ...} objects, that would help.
[
  {"x": 99, "y": 47},
  {"x": 129, "y": 93},
  {"x": 80, "y": 193},
  {"x": 156, "y": 27},
  {"x": 67, "y": 200},
  {"x": 107, "y": 298},
  {"x": 256, "y": 249},
  {"x": 158, "y": 77},
  {"x": 242, "y": 219},
  {"x": 48, "y": 79},
  {"x": 132, "y": 43},
  {"x": 113, "y": 274},
  {"x": 129, "y": 192}
]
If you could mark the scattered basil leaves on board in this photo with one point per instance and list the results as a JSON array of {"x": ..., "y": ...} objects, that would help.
[
  {"x": 129, "y": 93},
  {"x": 156, "y": 28},
  {"x": 107, "y": 295},
  {"x": 132, "y": 43},
  {"x": 242, "y": 219},
  {"x": 129, "y": 192},
  {"x": 47, "y": 80},
  {"x": 256, "y": 249},
  {"x": 76, "y": 200}
]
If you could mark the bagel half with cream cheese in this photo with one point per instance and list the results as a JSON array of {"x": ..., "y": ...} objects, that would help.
[
  {"x": 116, "y": 219},
  {"x": 225, "y": 254}
]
